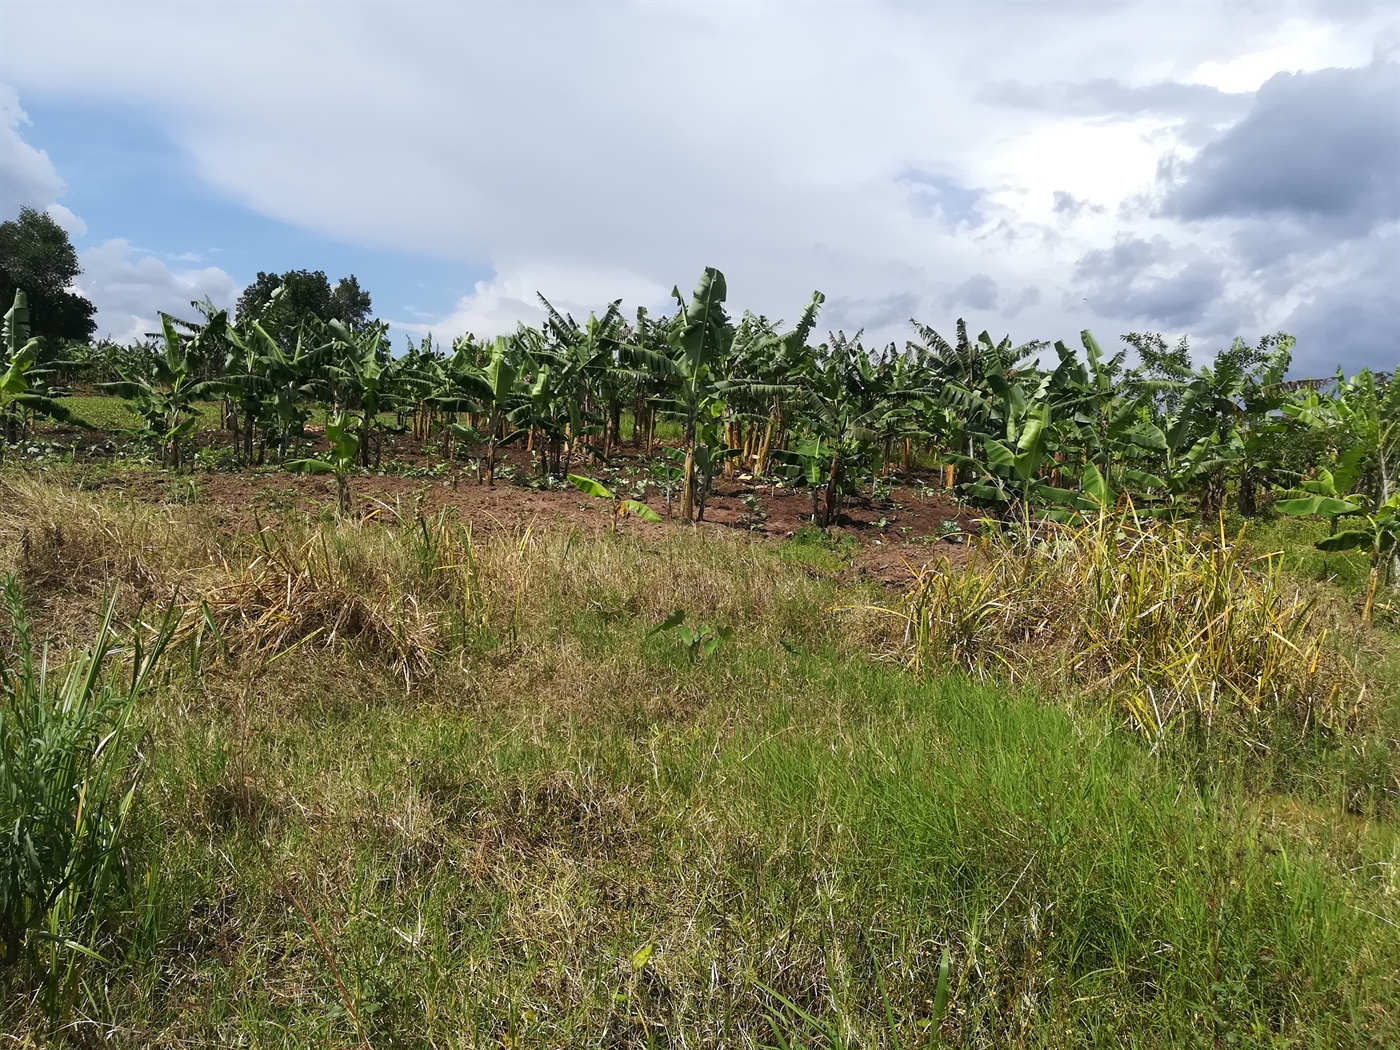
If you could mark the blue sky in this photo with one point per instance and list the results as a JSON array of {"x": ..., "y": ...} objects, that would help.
[
  {"x": 1035, "y": 168},
  {"x": 127, "y": 179}
]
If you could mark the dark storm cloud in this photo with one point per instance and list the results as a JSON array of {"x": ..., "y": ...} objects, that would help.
[
  {"x": 1323, "y": 147},
  {"x": 1355, "y": 320},
  {"x": 1137, "y": 279}
]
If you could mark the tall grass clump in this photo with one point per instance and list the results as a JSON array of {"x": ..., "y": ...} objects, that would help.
[
  {"x": 63, "y": 542},
  {"x": 1169, "y": 625},
  {"x": 70, "y": 761},
  {"x": 415, "y": 590}
]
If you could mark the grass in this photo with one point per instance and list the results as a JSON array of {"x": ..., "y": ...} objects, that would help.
[
  {"x": 568, "y": 834},
  {"x": 112, "y": 414},
  {"x": 69, "y": 766},
  {"x": 1177, "y": 629},
  {"x": 1345, "y": 572}
]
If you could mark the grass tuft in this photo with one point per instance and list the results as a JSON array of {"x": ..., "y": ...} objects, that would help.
[{"x": 1176, "y": 629}]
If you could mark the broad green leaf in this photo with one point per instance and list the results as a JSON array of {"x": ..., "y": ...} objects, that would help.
[
  {"x": 1146, "y": 480},
  {"x": 1326, "y": 506},
  {"x": 641, "y": 510},
  {"x": 1096, "y": 487},
  {"x": 1346, "y": 540},
  {"x": 589, "y": 486},
  {"x": 998, "y": 455},
  {"x": 1149, "y": 435},
  {"x": 309, "y": 466},
  {"x": 989, "y": 492},
  {"x": 1324, "y": 485},
  {"x": 674, "y": 619}
]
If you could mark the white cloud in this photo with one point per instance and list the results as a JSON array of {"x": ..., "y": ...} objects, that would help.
[
  {"x": 130, "y": 289},
  {"x": 1297, "y": 45},
  {"x": 494, "y": 307},
  {"x": 591, "y": 151},
  {"x": 28, "y": 178},
  {"x": 72, "y": 224}
]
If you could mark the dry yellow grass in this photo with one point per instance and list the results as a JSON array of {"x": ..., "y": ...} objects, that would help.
[
  {"x": 1167, "y": 624},
  {"x": 407, "y": 589}
]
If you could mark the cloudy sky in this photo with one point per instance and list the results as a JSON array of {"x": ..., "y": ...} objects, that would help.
[{"x": 1038, "y": 168}]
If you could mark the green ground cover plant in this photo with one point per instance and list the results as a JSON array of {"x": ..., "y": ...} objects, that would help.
[{"x": 415, "y": 784}]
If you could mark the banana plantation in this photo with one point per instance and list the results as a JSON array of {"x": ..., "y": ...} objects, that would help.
[
  {"x": 1046, "y": 431},
  {"x": 1061, "y": 709}
]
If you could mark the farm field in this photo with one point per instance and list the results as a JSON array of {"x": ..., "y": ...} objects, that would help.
[
  {"x": 565, "y": 830},
  {"x": 597, "y": 687}
]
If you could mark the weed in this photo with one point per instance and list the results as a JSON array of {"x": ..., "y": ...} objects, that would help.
[
  {"x": 1171, "y": 627},
  {"x": 70, "y": 760}
]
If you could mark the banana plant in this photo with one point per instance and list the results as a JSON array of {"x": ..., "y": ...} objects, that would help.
[
  {"x": 269, "y": 386},
  {"x": 1011, "y": 472},
  {"x": 344, "y": 441},
  {"x": 668, "y": 472},
  {"x": 167, "y": 399},
  {"x": 699, "y": 339},
  {"x": 808, "y": 462},
  {"x": 622, "y": 506},
  {"x": 499, "y": 387},
  {"x": 1379, "y": 537},
  {"x": 16, "y": 387},
  {"x": 362, "y": 377},
  {"x": 1364, "y": 419}
]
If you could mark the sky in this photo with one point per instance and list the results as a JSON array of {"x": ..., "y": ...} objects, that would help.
[{"x": 1202, "y": 169}]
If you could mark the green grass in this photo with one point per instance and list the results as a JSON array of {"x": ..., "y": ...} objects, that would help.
[
  {"x": 101, "y": 411},
  {"x": 479, "y": 874},
  {"x": 487, "y": 855},
  {"x": 1345, "y": 571},
  {"x": 112, "y": 414}
]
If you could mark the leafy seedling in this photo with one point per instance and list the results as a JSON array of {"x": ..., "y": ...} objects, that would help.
[
  {"x": 701, "y": 640},
  {"x": 621, "y": 505}
]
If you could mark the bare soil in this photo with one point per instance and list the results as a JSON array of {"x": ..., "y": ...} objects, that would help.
[{"x": 887, "y": 537}]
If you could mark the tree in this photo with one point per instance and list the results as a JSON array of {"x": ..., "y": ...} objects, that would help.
[
  {"x": 37, "y": 258},
  {"x": 308, "y": 294},
  {"x": 349, "y": 304}
]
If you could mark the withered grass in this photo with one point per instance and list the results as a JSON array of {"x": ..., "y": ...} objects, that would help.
[{"x": 517, "y": 818}]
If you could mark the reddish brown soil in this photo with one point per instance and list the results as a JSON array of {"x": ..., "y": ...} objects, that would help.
[{"x": 889, "y": 537}]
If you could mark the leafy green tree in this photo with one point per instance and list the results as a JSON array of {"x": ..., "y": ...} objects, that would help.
[
  {"x": 37, "y": 258},
  {"x": 304, "y": 294}
]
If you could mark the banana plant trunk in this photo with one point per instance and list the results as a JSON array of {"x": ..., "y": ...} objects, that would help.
[
  {"x": 491, "y": 449},
  {"x": 1368, "y": 608},
  {"x": 833, "y": 508},
  {"x": 342, "y": 491},
  {"x": 688, "y": 485}
]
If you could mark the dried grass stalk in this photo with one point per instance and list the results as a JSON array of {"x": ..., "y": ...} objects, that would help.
[{"x": 1165, "y": 623}]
